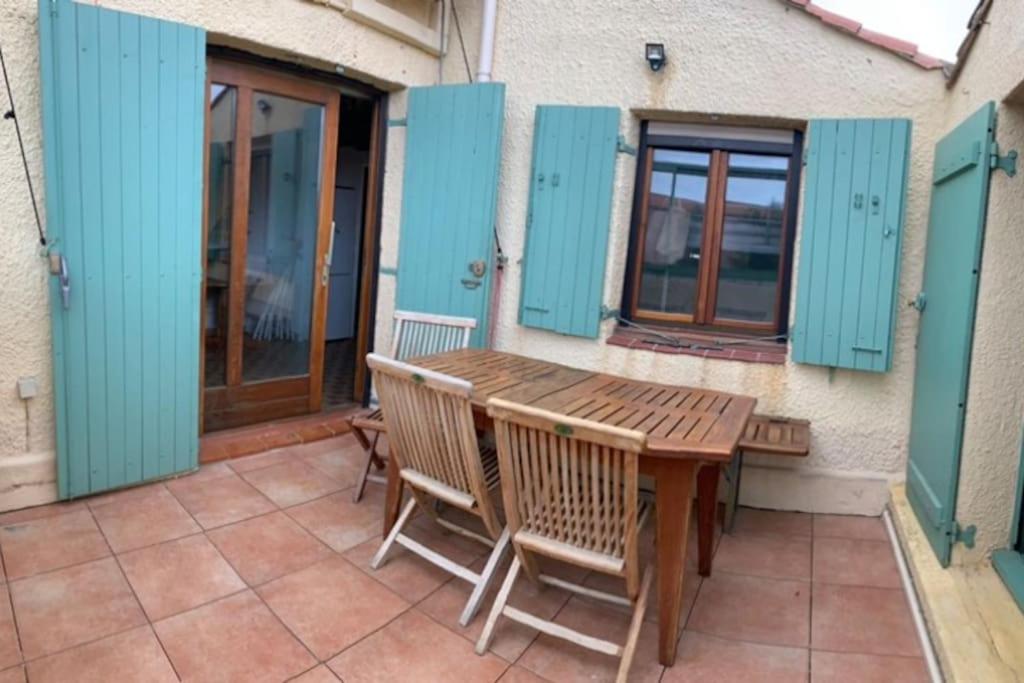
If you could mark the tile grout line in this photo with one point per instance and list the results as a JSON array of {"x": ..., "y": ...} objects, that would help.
[
  {"x": 135, "y": 596},
  {"x": 14, "y": 616}
]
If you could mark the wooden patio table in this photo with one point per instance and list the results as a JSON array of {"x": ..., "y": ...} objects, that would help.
[{"x": 685, "y": 426}]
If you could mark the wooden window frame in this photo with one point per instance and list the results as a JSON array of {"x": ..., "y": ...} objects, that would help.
[{"x": 703, "y": 317}]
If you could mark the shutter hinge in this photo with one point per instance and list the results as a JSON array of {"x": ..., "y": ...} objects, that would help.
[
  {"x": 622, "y": 148},
  {"x": 962, "y": 534},
  {"x": 1008, "y": 162},
  {"x": 608, "y": 313},
  {"x": 397, "y": 123}
]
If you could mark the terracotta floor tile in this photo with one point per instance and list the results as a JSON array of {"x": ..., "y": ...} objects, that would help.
[
  {"x": 517, "y": 674},
  {"x": 850, "y": 526},
  {"x": 407, "y": 574},
  {"x": 178, "y": 575},
  {"x": 134, "y": 655},
  {"x": 707, "y": 658},
  {"x": 754, "y": 521},
  {"x": 855, "y": 563},
  {"x": 214, "y": 470},
  {"x": 331, "y": 605},
  {"x": 864, "y": 620},
  {"x": 10, "y": 651},
  {"x": 320, "y": 674},
  {"x": 39, "y": 511},
  {"x": 559, "y": 660},
  {"x": 15, "y": 674},
  {"x": 124, "y": 494},
  {"x": 220, "y": 501},
  {"x": 771, "y": 556},
  {"x": 71, "y": 606},
  {"x": 269, "y": 546},
  {"x": 53, "y": 542},
  {"x": 758, "y": 610},
  {"x": 332, "y": 445},
  {"x": 344, "y": 463},
  {"x": 339, "y": 522},
  {"x": 292, "y": 483},
  {"x": 250, "y": 463},
  {"x": 611, "y": 584},
  {"x": 415, "y": 643},
  {"x": 234, "y": 639},
  {"x": 835, "y": 667},
  {"x": 511, "y": 639},
  {"x": 138, "y": 522}
]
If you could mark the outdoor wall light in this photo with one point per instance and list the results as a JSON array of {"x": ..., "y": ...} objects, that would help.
[{"x": 655, "y": 53}]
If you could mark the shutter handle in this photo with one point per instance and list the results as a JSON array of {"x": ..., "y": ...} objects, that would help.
[{"x": 59, "y": 267}]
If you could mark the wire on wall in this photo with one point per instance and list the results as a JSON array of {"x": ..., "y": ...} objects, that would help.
[
  {"x": 462, "y": 43},
  {"x": 12, "y": 116}
]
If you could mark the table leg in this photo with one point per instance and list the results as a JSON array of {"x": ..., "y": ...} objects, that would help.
[
  {"x": 392, "y": 496},
  {"x": 673, "y": 504},
  {"x": 707, "y": 505}
]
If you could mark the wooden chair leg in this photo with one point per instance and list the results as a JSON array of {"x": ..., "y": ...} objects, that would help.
[
  {"x": 629, "y": 649},
  {"x": 371, "y": 455},
  {"x": 734, "y": 493},
  {"x": 707, "y": 502},
  {"x": 484, "y": 643},
  {"x": 382, "y": 552},
  {"x": 486, "y": 576}
]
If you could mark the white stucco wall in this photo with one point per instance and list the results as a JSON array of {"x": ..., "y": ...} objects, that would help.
[
  {"x": 293, "y": 30},
  {"x": 750, "y": 58},
  {"x": 995, "y": 403}
]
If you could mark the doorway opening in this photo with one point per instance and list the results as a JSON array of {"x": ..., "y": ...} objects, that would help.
[{"x": 288, "y": 279}]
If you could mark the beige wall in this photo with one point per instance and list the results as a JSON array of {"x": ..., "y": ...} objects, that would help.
[
  {"x": 295, "y": 30},
  {"x": 731, "y": 58},
  {"x": 995, "y": 403}
]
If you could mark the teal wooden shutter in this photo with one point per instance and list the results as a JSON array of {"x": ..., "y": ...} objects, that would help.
[
  {"x": 852, "y": 228},
  {"x": 449, "y": 195},
  {"x": 123, "y": 143},
  {"x": 956, "y": 228},
  {"x": 571, "y": 187}
]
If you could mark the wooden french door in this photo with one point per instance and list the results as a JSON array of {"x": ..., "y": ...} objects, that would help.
[{"x": 271, "y": 151}]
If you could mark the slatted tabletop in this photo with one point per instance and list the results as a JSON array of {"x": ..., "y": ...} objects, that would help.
[{"x": 679, "y": 421}]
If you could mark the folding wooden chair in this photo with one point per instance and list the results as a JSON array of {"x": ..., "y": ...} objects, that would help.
[
  {"x": 416, "y": 334},
  {"x": 430, "y": 424},
  {"x": 570, "y": 491}
]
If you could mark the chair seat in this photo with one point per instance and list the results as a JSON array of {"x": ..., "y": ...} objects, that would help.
[{"x": 371, "y": 420}]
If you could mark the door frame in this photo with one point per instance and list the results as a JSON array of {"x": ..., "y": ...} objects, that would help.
[
  {"x": 369, "y": 261},
  {"x": 306, "y": 391}
]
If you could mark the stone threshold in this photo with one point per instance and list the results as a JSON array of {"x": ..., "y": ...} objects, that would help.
[
  {"x": 234, "y": 443},
  {"x": 974, "y": 623}
]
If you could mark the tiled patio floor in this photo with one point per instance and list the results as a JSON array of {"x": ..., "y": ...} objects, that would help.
[{"x": 257, "y": 570}]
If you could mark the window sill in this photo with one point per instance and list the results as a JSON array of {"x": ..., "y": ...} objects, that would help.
[{"x": 701, "y": 346}]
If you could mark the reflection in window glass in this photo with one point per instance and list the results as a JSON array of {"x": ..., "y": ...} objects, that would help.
[
  {"x": 284, "y": 189},
  {"x": 223, "y": 104},
  {"x": 752, "y": 236},
  {"x": 675, "y": 223}
]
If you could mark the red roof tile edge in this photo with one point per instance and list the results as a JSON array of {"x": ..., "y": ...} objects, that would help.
[{"x": 903, "y": 48}]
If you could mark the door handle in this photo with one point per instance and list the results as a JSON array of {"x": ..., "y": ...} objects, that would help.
[{"x": 325, "y": 272}]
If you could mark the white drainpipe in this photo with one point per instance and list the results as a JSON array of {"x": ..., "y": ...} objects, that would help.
[{"x": 483, "y": 70}]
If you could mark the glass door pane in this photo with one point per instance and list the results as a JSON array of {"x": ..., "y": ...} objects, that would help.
[
  {"x": 220, "y": 186},
  {"x": 676, "y": 204},
  {"x": 284, "y": 193}
]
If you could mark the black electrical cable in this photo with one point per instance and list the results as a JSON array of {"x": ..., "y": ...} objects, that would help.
[
  {"x": 10, "y": 114},
  {"x": 462, "y": 43}
]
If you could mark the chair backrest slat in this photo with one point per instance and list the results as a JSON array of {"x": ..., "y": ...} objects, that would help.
[
  {"x": 421, "y": 334},
  {"x": 568, "y": 480}
]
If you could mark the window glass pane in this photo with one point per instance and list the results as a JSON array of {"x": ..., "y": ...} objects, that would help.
[
  {"x": 223, "y": 104},
  {"x": 755, "y": 196},
  {"x": 284, "y": 191},
  {"x": 675, "y": 224}
]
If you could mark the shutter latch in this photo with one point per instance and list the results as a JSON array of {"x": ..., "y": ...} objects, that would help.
[
  {"x": 1007, "y": 162},
  {"x": 608, "y": 313},
  {"x": 919, "y": 302},
  {"x": 623, "y": 148}
]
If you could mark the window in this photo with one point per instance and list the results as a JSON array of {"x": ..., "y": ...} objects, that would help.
[{"x": 713, "y": 225}]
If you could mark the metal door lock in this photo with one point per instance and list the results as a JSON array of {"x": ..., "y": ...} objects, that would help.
[{"x": 478, "y": 267}]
